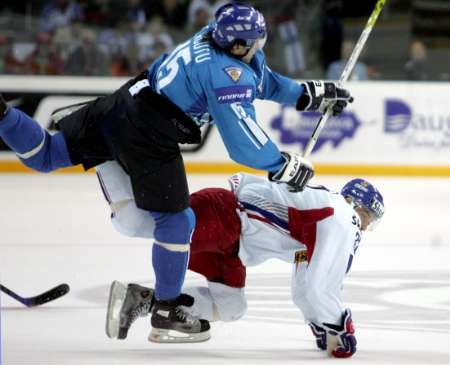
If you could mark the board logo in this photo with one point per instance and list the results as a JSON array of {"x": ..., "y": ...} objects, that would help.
[
  {"x": 414, "y": 126},
  {"x": 297, "y": 127}
]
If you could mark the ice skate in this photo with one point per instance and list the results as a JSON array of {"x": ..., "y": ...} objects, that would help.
[
  {"x": 172, "y": 324},
  {"x": 125, "y": 305}
]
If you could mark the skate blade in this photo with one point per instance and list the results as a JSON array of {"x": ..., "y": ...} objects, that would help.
[
  {"x": 117, "y": 294},
  {"x": 171, "y": 336}
]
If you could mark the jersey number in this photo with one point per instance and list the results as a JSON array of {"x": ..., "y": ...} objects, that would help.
[{"x": 169, "y": 68}]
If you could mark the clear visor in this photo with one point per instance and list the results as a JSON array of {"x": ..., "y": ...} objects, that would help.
[
  {"x": 257, "y": 45},
  {"x": 376, "y": 212},
  {"x": 374, "y": 221}
]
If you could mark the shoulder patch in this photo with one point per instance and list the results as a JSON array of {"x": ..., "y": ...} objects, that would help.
[{"x": 233, "y": 72}]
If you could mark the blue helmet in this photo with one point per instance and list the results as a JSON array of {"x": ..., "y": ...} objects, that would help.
[
  {"x": 364, "y": 194},
  {"x": 238, "y": 22}
]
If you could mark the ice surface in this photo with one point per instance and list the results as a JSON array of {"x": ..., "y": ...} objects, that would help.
[{"x": 55, "y": 228}]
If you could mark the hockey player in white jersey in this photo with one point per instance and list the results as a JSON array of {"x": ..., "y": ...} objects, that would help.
[{"x": 316, "y": 230}]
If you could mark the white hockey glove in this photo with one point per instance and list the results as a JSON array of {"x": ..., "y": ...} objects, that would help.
[
  {"x": 296, "y": 171},
  {"x": 341, "y": 340},
  {"x": 319, "y": 95}
]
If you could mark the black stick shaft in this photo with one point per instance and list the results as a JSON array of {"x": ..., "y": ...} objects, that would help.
[
  {"x": 45, "y": 297},
  {"x": 5, "y": 290}
]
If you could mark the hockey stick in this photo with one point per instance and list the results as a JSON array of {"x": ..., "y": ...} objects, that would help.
[
  {"x": 40, "y": 299},
  {"x": 346, "y": 73}
]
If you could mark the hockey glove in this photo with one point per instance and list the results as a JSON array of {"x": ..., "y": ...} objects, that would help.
[
  {"x": 3, "y": 107},
  {"x": 318, "y": 95},
  {"x": 320, "y": 334},
  {"x": 296, "y": 172},
  {"x": 341, "y": 338}
]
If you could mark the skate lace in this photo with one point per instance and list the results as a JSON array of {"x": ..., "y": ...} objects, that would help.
[
  {"x": 142, "y": 310},
  {"x": 184, "y": 316}
]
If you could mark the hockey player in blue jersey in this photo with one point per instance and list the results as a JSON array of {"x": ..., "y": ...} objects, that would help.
[{"x": 213, "y": 77}]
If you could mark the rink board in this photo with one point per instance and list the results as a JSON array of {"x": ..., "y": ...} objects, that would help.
[{"x": 392, "y": 128}]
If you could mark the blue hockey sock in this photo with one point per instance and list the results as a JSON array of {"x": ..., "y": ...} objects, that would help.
[
  {"x": 171, "y": 251},
  {"x": 170, "y": 269},
  {"x": 34, "y": 145}
]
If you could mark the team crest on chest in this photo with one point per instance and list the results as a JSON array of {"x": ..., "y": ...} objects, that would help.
[{"x": 234, "y": 73}]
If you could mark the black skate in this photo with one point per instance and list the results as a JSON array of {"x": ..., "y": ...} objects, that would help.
[
  {"x": 172, "y": 324},
  {"x": 125, "y": 305}
]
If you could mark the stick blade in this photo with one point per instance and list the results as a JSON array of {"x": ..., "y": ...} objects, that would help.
[{"x": 48, "y": 296}]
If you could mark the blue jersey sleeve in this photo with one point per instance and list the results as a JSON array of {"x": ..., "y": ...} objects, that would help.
[
  {"x": 234, "y": 115},
  {"x": 276, "y": 87}
]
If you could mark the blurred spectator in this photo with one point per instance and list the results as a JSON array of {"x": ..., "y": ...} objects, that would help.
[
  {"x": 332, "y": 32},
  {"x": 59, "y": 13},
  {"x": 136, "y": 14},
  {"x": 294, "y": 55},
  {"x": 173, "y": 12},
  {"x": 124, "y": 50},
  {"x": 114, "y": 41},
  {"x": 153, "y": 41},
  {"x": 67, "y": 39},
  {"x": 45, "y": 59},
  {"x": 9, "y": 64},
  {"x": 98, "y": 12},
  {"x": 87, "y": 59},
  {"x": 199, "y": 15},
  {"x": 417, "y": 66},
  {"x": 336, "y": 68}
]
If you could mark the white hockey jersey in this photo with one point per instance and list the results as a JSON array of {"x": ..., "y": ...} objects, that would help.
[{"x": 316, "y": 230}]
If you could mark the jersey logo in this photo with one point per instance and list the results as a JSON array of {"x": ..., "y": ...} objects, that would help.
[
  {"x": 233, "y": 72},
  {"x": 234, "y": 94},
  {"x": 301, "y": 256}
]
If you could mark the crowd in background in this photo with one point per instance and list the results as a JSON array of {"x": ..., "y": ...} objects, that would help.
[{"x": 122, "y": 37}]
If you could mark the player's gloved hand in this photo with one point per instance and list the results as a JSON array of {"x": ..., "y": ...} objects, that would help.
[
  {"x": 341, "y": 337},
  {"x": 296, "y": 171},
  {"x": 318, "y": 95},
  {"x": 3, "y": 107},
  {"x": 320, "y": 334}
]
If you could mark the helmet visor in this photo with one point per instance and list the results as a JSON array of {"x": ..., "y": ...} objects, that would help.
[{"x": 376, "y": 210}]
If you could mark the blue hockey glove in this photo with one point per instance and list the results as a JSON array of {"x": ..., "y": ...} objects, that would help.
[
  {"x": 319, "y": 95},
  {"x": 320, "y": 334},
  {"x": 344, "y": 336},
  {"x": 296, "y": 171},
  {"x": 3, "y": 107}
]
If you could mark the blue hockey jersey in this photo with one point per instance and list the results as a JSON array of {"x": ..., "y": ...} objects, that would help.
[{"x": 212, "y": 86}]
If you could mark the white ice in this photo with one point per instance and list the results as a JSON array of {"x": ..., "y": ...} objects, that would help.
[{"x": 55, "y": 228}]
